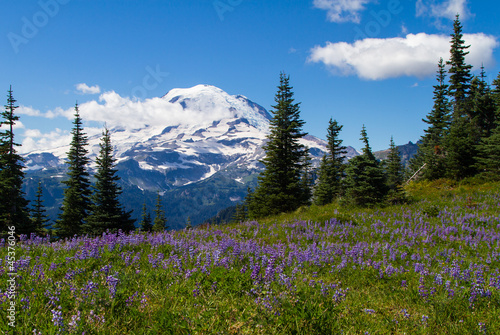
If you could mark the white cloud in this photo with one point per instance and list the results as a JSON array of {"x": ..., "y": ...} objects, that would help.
[
  {"x": 117, "y": 111},
  {"x": 342, "y": 10},
  {"x": 86, "y": 89},
  {"x": 35, "y": 140},
  {"x": 413, "y": 55},
  {"x": 445, "y": 9}
]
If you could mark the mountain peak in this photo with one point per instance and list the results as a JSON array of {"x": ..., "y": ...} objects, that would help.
[{"x": 211, "y": 99}]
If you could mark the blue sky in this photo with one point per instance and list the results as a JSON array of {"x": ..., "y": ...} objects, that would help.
[{"x": 359, "y": 61}]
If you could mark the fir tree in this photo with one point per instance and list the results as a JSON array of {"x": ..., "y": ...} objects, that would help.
[
  {"x": 461, "y": 141},
  {"x": 460, "y": 71},
  {"x": 395, "y": 175},
  {"x": 482, "y": 107},
  {"x": 331, "y": 170},
  {"x": 38, "y": 213},
  {"x": 460, "y": 146},
  {"x": 13, "y": 205},
  {"x": 76, "y": 203},
  {"x": 160, "y": 221},
  {"x": 394, "y": 167},
  {"x": 365, "y": 179},
  {"x": 281, "y": 186},
  {"x": 431, "y": 150},
  {"x": 146, "y": 223},
  {"x": 488, "y": 158},
  {"x": 106, "y": 211}
]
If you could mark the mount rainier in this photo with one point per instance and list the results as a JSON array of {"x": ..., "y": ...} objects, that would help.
[{"x": 199, "y": 166}]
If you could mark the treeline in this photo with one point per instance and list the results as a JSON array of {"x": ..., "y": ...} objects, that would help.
[
  {"x": 463, "y": 137},
  {"x": 462, "y": 140},
  {"x": 287, "y": 183},
  {"x": 86, "y": 208}
]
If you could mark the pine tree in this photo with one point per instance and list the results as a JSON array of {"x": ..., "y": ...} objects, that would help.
[
  {"x": 460, "y": 72},
  {"x": 365, "y": 179},
  {"x": 13, "y": 205},
  {"x": 146, "y": 223},
  {"x": 76, "y": 203},
  {"x": 160, "y": 221},
  {"x": 431, "y": 150},
  {"x": 281, "y": 186},
  {"x": 106, "y": 211},
  {"x": 331, "y": 170},
  {"x": 38, "y": 213}
]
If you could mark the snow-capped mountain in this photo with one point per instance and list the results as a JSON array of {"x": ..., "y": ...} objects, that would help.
[
  {"x": 163, "y": 156},
  {"x": 200, "y": 163}
]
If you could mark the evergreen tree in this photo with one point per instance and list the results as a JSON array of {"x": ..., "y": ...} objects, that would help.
[
  {"x": 13, "y": 205},
  {"x": 331, "y": 170},
  {"x": 160, "y": 221},
  {"x": 431, "y": 150},
  {"x": 365, "y": 179},
  {"x": 38, "y": 213},
  {"x": 395, "y": 175},
  {"x": 76, "y": 203},
  {"x": 482, "y": 107},
  {"x": 394, "y": 167},
  {"x": 496, "y": 97},
  {"x": 460, "y": 72},
  {"x": 146, "y": 223},
  {"x": 281, "y": 186},
  {"x": 488, "y": 158},
  {"x": 461, "y": 141},
  {"x": 106, "y": 211},
  {"x": 460, "y": 146}
]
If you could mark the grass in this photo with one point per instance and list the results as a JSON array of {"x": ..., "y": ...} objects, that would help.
[{"x": 427, "y": 267}]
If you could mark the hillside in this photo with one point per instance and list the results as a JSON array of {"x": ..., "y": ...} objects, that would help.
[{"x": 430, "y": 267}]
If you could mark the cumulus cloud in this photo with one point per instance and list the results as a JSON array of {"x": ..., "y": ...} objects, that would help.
[
  {"x": 123, "y": 112},
  {"x": 86, "y": 89},
  {"x": 342, "y": 10},
  {"x": 413, "y": 55},
  {"x": 35, "y": 140},
  {"x": 445, "y": 9}
]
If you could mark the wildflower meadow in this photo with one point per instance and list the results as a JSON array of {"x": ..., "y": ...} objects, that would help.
[{"x": 427, "y": 267}]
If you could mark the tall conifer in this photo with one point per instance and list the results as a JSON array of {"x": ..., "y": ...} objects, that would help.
[
  {"x": 146, "y": 223},
  {"x": 160, "y": 221},
  {"x": 331, "y": 170},
  {"x": 365, "y": 179},
  {"x": 13, "y": 205},
  {"x": 38, "y": 213},
  {"x": 431, "y": 150},
  {"x": 281, "y": 186},
  {"x": 460, "y": 71},
  {"x": 106, "y": 211},
  {"x": 76, "y": 203}
]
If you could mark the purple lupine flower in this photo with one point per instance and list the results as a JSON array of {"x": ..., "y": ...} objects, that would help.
[
  {"x": 73, "y": 324},
  {"x": 112, "y": 282},
  {"x": 57, "y": 318}
]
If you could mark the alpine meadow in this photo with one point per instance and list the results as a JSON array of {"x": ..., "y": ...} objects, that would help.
[{"x": 200, "y": 212}]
